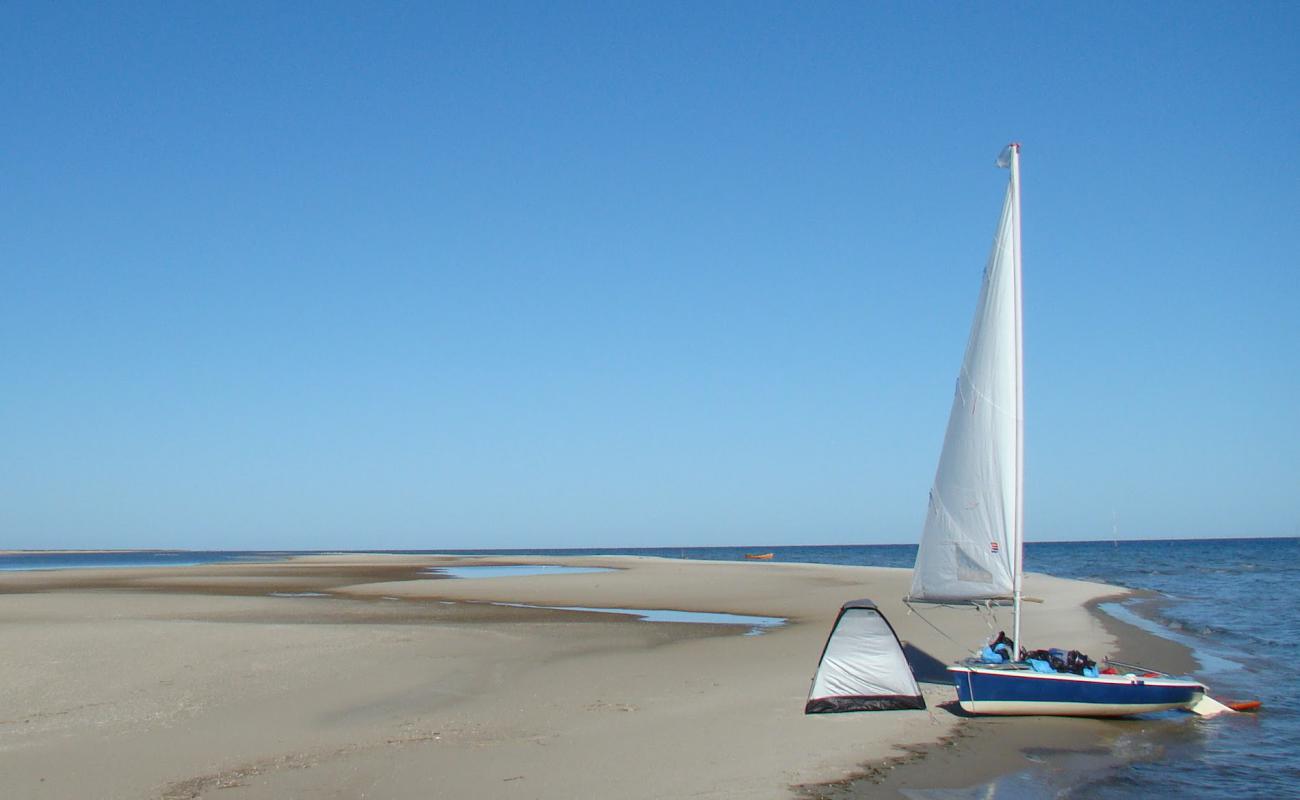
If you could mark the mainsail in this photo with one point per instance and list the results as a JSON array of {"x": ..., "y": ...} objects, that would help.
[{"x": 970, "y": 546}]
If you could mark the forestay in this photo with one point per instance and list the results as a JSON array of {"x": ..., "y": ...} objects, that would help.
[{"x": 969, "y": 545}]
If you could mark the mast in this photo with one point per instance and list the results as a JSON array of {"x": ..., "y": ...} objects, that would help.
[{"x": 1018, "y": 561}]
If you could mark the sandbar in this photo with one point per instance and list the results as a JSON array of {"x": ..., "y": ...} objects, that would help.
[{"x": 368, "y": 677}]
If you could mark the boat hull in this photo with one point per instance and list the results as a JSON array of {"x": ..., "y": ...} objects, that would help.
[{"x": 986, "y": 690}]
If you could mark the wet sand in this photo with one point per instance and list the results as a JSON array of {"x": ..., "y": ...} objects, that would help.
[{"x": 192, "y": 682}]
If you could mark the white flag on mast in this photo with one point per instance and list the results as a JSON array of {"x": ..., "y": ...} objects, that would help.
[{"x": 1004, "y": 158}]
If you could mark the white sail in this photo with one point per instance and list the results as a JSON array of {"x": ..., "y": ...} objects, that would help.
[{"x": 970, "y": 547}]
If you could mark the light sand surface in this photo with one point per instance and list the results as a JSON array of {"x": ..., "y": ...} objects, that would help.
[{"x": 192, "y": 682}]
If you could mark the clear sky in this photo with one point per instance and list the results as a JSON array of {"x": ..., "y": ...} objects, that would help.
[{"x": 631, "y": 274}]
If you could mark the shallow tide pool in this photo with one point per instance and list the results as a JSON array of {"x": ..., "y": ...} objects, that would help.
[
  {"x": 513, "y": 571},
  {"x": 757, "y": 625}
]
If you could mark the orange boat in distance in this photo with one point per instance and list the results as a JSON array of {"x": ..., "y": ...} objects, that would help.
[{"x": 759, "y": 556}]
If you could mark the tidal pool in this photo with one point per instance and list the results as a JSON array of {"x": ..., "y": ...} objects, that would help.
[
  {"x": 513, "y": 571},
  {"x": 757, "y": 625}
]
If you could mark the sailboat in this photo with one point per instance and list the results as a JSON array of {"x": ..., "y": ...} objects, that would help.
[{"x": 972, "y": 546}]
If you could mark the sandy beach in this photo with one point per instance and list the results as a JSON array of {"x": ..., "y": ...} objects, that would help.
[{"x": 365, "y": 676}]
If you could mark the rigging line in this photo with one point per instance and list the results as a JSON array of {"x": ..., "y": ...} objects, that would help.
[
  {"x": 988, "y": 614},
  {"x": 912, "y": 610}
]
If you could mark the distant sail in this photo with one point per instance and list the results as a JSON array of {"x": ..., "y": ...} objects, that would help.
[{"x": 968, "y": 548}]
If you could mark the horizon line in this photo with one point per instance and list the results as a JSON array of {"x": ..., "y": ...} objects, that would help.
[{"x": 506, "y": 550}]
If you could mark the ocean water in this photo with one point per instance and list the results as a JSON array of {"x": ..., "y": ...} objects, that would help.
[{"x": 1235, "y": 602}]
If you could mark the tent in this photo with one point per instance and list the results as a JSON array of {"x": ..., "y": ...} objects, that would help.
[{"x": 862, "y": 666}]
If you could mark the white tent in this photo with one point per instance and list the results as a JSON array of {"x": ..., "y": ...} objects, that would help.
[{"x": 863, "y": 667}]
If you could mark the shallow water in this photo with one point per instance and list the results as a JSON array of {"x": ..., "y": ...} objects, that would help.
[
  {"x": 756, "y": 624},
  {"x": 118, "y": 559},
  {"x": 1233, "y": 601},
  {"x": 512, "y": 571}
]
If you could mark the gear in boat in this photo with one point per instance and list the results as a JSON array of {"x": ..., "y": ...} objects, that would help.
[{"x": 1068, "y": 683}]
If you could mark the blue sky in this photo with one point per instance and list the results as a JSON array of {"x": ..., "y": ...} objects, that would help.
[{"x": 544, "y": 275}]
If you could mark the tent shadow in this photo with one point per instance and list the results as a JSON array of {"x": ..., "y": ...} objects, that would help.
[{"x": 925, "y": 667}]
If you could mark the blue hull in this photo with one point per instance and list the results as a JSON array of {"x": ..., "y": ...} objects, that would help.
[{"x": 987, "y": 690}]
